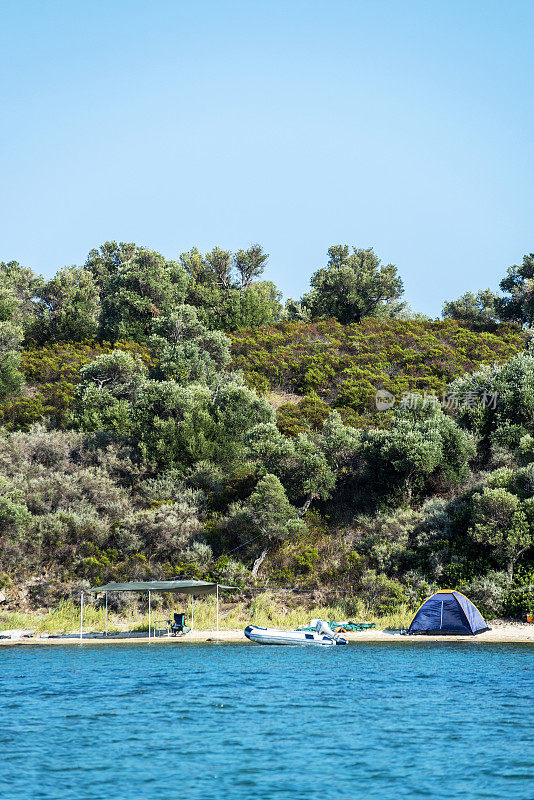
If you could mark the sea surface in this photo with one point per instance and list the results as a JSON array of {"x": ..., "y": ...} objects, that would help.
[{"x": 239, "y": 721}]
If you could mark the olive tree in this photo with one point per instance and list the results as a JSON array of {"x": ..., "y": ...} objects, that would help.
[
  {"x": 503, "y": 411},
  {"x": 144, "y": 288},
  {"x": 354, "y": 285},
  {"x": 186, "y": 350},
  {"x": 518, "y": 306},
  {"x": 420, "y": 445},
  {"x": 225, "y": 289},
  {"x": 501, "y": 520},
  {"x": 480, "y": 312},
  {"x": 23, "y": 285},
  {"x": 267, "y": 512},
  {"x": 104, "y": 398},
  {"x": 307, "y": 465},
  {"x": 11, "y": 378},
  {"x": 68, "y": 309}
]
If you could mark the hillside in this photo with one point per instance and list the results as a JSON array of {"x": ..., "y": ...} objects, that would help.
[
  {"x": 317, "y": 366},
  {"x": 139, "y": 439},
  {"x": 51, "y": 373},
  {"x": 132, "y": 493},
  {"x": 325, "y": 365}
]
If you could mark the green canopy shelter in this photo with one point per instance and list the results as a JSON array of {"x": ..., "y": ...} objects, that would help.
[{"x": 182, "y": 587}]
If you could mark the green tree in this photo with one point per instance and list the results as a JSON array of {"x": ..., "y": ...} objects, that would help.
[
  {"x": 269, "y": 512},
  {"x": 24, "y": 286},
  {"x": 296, "y": 311},
  {"x": 11, "y": 378},
  {"x": 339, "y": 442},
  {"x": 97, "y": 410},
  {"x": 237, "y": 409},
  {"x": 8, "y": 304},
  {"x": 173, "y": 424},
  {"x": 144, "y": 288},
  {"x": 107, "y": 260},
  {"x": 270, "y": 509},
  {"x": 118, "y": 372},
  {"x": 177, "y": 426},
  {"x": 250, "y": 264},
  {"x": 503, "y": 522},
  {"x": 519, "y": 285},
  {"x": 307, "y": 465},
  {"x": 104, "y": 398},
  {"x": 421, "y": 445},
  {"x": 252, "y": 306},
  {"x": 14, "y": 515},
  {"x": 502, "y": 413},
  {"x": 224, "y": 290},
  {"x": 69, "y": 308},
  {"x": 269, "y": 448},
  {"x": 480, "y": 312},
  {"x": 311, "y": 471},
  {"x": 186, "y": 350},
  {"x": 353, "y": 286}
]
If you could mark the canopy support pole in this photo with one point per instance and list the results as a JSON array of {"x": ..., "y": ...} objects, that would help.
[
  {"x": 149, "y": 614},
  {"x": 106, "y": 615},
  {"x": 81, "y": 616},
  {"x": 217, "y": 611},
  {"x": 192, "y": 611}
]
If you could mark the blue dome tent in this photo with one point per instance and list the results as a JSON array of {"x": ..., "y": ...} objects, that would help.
[{"x": 448, "y": 612}]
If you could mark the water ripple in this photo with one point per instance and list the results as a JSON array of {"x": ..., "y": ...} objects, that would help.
[{"x": 207, "y": 722}]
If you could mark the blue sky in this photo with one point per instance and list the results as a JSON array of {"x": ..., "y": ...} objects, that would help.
[{"x": 402, "y": 125}]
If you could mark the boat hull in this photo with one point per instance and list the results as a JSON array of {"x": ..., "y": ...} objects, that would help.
[{"x": 275, "y": 636}]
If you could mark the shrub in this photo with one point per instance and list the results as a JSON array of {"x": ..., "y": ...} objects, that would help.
[
  {"x": 170, "y": 530},
  {"x": 519, "y": 601},
  {"x": 346, "y": 365},
  {"x": 489, "y": 593},
  {"x": 381, "y": 595},
  {"x": 52, "y": 373}
]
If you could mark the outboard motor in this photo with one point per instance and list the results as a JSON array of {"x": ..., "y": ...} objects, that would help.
[{"x": 324, "y": 629}]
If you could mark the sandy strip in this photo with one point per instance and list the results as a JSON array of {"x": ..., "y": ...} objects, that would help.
[{"x": 519, "y": 633}]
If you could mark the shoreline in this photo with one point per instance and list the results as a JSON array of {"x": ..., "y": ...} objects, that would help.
[{"x": 500, "y": 634}]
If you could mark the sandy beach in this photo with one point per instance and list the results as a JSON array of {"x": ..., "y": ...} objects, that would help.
[{"x": 500, "y": 632}]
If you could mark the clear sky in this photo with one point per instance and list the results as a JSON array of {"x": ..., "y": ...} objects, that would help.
[{"x": 398, "y": 124}]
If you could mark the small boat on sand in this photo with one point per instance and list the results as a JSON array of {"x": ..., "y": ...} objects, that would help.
[{"x": 323, "y": 635}]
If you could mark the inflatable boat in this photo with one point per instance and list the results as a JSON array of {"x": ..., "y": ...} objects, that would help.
[{"x": 322, "y": 636}]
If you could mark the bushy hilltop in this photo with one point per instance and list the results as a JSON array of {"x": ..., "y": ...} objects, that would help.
[
  {"x": 324, "y": 365},
  {"x": 140, "y": 440}
]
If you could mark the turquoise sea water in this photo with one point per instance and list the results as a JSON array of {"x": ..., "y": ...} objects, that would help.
[{"x": 408, "y": 720}]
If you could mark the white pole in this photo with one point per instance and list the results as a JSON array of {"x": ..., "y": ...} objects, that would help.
[
  {"x": 106, "y": 614},
  {"x": 217, "y": 611},
  {"x": 149, "y": 614},
  {"x": 192, "y": 611},
  {"x": 81, "y": 615}
]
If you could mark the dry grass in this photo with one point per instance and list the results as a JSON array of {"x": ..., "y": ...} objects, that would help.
[
  {"x": 278, "y": 397},
  {"x": 12, "y": 620},
  {"x": 265, "y": 609}
]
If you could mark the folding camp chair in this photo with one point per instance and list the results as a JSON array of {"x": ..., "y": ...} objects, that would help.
[{"x": 179, "y": 626}]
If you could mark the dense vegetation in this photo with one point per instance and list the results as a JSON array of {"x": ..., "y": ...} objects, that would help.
[
  {"x": 165, "y": 418},
  {"x": 329, "y": 365}
]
